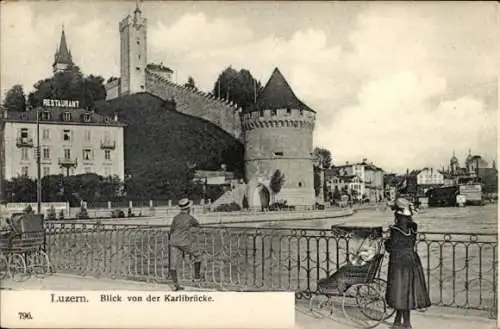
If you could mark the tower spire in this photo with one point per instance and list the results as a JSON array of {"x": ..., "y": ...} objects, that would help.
[{"x": 62, "y": 57}]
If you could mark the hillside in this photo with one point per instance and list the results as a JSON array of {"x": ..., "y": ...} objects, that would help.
[{"x": 161, "y": 144}]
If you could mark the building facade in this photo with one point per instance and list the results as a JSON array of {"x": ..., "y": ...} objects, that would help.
[
  {"x": 278, "y": 138},
  {"x": 363, "y": 179},
  {"x": 72, "y": 141}
]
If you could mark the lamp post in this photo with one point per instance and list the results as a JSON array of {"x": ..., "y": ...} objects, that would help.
[{"x": 38, "y": 168}]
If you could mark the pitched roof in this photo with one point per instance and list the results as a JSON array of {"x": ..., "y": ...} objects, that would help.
[
  {"x": 55, "y": 115},
  {"x": 277, "y": 94},
  {"x": 63, "y": 55}
]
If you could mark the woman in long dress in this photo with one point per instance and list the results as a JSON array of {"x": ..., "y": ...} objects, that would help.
[{"x": 406, "y": 286}]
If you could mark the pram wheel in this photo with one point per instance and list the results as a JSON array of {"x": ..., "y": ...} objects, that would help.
[
  {"x": 321, "y": 305},
  {"x": 4, "y": 267},
  {"x": 364, "y": 305},
  {"x": 17, "y": 268},
  {"x": 381, "y": 286},
  {"x": 39, "y": 264}
]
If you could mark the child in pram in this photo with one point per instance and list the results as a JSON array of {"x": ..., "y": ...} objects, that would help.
[{"x": 359, "y": 264}]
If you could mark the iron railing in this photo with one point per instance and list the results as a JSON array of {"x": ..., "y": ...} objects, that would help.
[{"x": 460, "y": 267}]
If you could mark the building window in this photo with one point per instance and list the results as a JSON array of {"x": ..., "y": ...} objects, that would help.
[
  {"x": 46, "y": 171},
  {"x": 46, "y": 115},
  {"x": 67, "y": 153},
  {"x": 23, "y": 133},
  {"x": 66, "y": 116},
  {"x": 288, "y": 111},
  {"x": 87, "y": 135},
  {"x": 24, "y": 171},
  {"x": 274, "y": 112},
  {"x": 261, "y": 112},
  {"x": 138, "y": 68},
  {"x": 67, "y": 135},
  {"x": 280, "y": 154},
  {"x": 87, "y": 154},
  {"x": 24, "y": 154},
  {"x": 107, "y": 154},
  {"x": 46, "y": 133},
  {"x": 88, "y": 170},
  {"x": 301, "y": 112},
  {"x": 142, "y": 87},
  {"x": 46, "y": 153},
  {"x": 86, "y": 117},
  {"x": 300, "y": 184}
]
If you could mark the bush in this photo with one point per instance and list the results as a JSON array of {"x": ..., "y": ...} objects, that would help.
[{"x": 228, "y": 207}]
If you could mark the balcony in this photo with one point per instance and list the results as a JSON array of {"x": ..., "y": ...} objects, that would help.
[
  {"x": 108, "y": 144},
  {"x": 24, "y": 142},
  {"x": 68, "y": 162}
]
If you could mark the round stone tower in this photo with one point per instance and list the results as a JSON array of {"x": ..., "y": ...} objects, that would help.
[{"x": 278, "y": 134}]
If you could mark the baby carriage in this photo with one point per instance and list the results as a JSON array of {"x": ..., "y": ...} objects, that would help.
[
  {"x": 357, "y": 282},
  {"x": 21, "y": 247}
]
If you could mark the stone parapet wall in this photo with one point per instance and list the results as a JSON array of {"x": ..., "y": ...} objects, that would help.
[{"x": 222, "y": 113}]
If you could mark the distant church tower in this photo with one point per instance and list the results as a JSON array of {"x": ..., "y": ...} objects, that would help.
[
  {"x": 133, "y": 53},
  {"x": 278, "y": 132},
  {"x": 62, "y": 57}
]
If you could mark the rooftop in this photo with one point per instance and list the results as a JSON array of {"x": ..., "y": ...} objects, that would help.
[
  {"x": 60, "y": 116},
  {"x": 277, "y": 94}
]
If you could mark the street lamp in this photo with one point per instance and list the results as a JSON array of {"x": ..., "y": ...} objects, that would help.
[{"x": 38, "y": 168}]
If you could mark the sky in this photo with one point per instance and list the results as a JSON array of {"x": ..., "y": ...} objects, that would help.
[{"x": 402, "y": 84}]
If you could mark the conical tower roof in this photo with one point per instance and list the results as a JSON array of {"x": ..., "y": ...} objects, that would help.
[
  {"x": 277, "y": 94},
  {"x": 63, "y": 55}
]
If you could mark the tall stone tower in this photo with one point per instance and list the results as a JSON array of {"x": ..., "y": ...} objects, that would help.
[
  {"x": 278, "y": 131},
  {"x": 133, "y": 53},
  {"x": 62, "y": 57}
]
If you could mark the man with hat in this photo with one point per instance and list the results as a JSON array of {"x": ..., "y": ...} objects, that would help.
[{"x": 182, "y": 241}]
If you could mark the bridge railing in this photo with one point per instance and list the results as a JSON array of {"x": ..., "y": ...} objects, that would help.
[{"x": 460, "y": 268}]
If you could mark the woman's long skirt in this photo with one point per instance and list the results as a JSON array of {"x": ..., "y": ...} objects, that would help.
[{"x": 406, "y": 286}]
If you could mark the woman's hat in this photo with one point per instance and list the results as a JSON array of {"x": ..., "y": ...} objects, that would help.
[
  {"x": 402, "y": 206},
  {"x": 185, "y": 204}
]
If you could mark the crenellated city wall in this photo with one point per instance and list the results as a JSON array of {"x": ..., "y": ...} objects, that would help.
[{"x": 220, "y": 112}]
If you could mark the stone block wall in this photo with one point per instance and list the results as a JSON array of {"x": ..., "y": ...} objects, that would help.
[{"x": 196, "y": 103}]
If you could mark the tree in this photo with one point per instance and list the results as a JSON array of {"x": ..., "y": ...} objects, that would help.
[
  {"x": 276, "y": 182},
  {"x": 240, "y": 87},
  {"x": 190, "y": 83},
  {"x": 322, "y": 156},
  {"x": 15, "y": 99},
  {"x": 70, "y": 84}
]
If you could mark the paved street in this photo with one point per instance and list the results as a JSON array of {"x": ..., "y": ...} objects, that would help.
[{"x": 435, "y": 318}]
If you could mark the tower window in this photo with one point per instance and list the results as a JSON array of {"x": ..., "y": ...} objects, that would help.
[
  {"x": 278, "y": 154},
  {"x": 142, "y": 87},
  {"x": 300, "y": 184},
  {"x": 138, "y": 68}
]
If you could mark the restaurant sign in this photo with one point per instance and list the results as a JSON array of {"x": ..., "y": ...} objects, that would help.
[{"x": 61, "y": 103}]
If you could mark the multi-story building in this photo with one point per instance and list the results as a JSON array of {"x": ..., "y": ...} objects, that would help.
[
  {"x": 72, "y": 141},
  {"x": 363, "y": 177}
]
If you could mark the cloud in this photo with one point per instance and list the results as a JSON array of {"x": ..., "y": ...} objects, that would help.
[{"x": 402, "y": 115}]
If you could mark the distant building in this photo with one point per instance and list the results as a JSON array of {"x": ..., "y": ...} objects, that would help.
[
  {"x": 363, "y": 177},
  {"x": 72, "y": 141},
  {"x": 470, "y": 171},
  {"x": 423, "y": 179}
]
